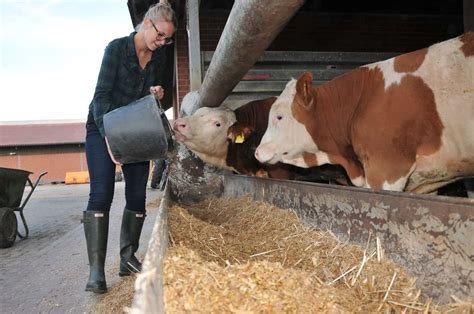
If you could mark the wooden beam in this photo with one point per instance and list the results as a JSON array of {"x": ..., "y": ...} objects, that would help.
[
  {"x": 264, "y": 86},
  {"x": 468, "y": 13},
  {"x": 321, "y": 57}
]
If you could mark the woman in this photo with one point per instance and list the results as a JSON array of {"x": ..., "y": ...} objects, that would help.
[{"x": 131, "y": 68}]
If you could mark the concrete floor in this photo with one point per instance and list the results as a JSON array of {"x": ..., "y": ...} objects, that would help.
[{"x": 47, "y": 272}]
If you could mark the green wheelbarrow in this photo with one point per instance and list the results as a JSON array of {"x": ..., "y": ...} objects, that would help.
[{"x": 12, "y": 186}]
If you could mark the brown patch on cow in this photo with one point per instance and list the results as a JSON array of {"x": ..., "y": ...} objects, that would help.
[
  {"x": 327, "y": 111},
  {"x": 394, "y": 126},
  {"x": 468, "y": 44},
  {"x": 251, "y": 114},
  {"x": 261, "y": 173},
  {"x": 409, "y": 62},
  {"x": 310, "y": 159},
  {"x": 281, "y": 171}
]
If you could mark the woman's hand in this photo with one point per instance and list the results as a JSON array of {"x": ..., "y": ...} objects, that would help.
[{"x": 157, "y": 91}]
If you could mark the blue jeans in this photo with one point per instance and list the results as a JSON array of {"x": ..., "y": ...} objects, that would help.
[{"x": 102, "y": 175}]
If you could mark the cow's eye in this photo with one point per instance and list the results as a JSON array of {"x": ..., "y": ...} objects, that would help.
[
  {"x": 279, "y": 117},
  {"x": 218, "y": 124}
]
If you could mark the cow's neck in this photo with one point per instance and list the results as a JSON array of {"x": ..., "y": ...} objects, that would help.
[
  {"x": 336, "y": 103},
  {"x": 252, "y": 114}
]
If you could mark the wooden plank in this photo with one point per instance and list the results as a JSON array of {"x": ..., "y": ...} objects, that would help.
[
  {"x": 245, "y": 96},
  {"x": 259, "y": 86},
  {"x": 264, "y": 86},
  {"x": 317, "y": 57},
  {"x": 287, "y": 74},
  {"x": 302, "y": 65}
]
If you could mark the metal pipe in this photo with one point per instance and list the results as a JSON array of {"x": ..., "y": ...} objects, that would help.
[
  {"x": 251, "y": 27},
  {"x": 194, "y": 47}
]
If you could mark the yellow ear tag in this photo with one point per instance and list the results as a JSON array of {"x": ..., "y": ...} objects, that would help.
[{"x": 240, "y": 139}]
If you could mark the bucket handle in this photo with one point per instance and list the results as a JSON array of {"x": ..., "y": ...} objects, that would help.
[{"x": 167, "y": 122}]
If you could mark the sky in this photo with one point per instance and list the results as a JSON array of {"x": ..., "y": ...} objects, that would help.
[{"x": 51, "y": 51}]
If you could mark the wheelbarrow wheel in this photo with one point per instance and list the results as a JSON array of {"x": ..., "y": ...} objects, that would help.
[{"x": 8, "y": 227}]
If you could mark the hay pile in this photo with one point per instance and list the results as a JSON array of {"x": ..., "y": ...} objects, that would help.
[
  {"x": 118, "y": 298},
  {"x": 237, "y": 255}
]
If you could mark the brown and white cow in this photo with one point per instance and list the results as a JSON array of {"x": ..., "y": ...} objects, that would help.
[
  {"x": 406, "y": 123},
  {"x": 228, "y": 138}
]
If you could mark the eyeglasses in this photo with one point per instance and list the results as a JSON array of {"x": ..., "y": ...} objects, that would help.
[{"x": 161, "y": 36}]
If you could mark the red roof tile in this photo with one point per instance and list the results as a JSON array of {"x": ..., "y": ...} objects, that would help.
[{"x": 41, "y": 133}]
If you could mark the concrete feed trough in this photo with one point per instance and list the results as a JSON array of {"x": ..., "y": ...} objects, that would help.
[{"x": 430, "y": 236}]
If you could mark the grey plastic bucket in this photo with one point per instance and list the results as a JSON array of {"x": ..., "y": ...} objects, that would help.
[{"x": 138, "y": 131}]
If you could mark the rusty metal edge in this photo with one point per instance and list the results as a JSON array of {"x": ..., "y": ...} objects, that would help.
[
  {"x": 149, "y": 297},
  {"x": 432, "y": 237}
]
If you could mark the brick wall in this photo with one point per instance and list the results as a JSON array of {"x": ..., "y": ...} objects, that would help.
[
  {"x": 56, "y": 161},
  {"x": 182, "y": 63},
  {"x": 211, "y": 27}
]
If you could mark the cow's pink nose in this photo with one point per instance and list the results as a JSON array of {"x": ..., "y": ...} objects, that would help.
[
  {"x": 179, "y": 125},
  {"x": 263, "y": 155},
  {"x": 256, "y": 155}
]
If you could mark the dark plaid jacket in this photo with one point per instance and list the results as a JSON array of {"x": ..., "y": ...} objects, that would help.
[{"x": 121, "y": 80}]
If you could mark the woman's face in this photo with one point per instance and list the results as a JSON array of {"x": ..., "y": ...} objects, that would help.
[{"x": 158, "y": 33}]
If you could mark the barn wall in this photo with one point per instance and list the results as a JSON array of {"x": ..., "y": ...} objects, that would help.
[
  {"x": 56, "y": 160},
  {"x": 309, "y": 31},
  {"x": 368, "y": 33},
  {"x": 57, "y": 164}
]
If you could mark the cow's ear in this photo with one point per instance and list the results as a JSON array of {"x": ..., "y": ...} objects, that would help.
[
  {"x": 238, "y": 133},
  {"x": 304, "y": 90}
]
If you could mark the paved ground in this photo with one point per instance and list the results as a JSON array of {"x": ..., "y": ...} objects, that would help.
[{"x": 47, "y": 272}]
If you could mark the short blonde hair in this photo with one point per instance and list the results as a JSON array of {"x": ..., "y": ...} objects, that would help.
[{"x": 161, "y": 11}]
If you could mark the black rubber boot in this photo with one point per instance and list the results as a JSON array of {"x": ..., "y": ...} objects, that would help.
[
  {"x": 96, "y": 229},
  {"x": 132, "y": 223}
]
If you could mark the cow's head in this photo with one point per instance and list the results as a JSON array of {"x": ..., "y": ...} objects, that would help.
[
  {"x": 287, "y": 139},
  {"x": 205, "y": 132}
]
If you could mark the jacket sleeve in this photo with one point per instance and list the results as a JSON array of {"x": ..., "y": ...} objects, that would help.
[{"x": 102, "y": 101}]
